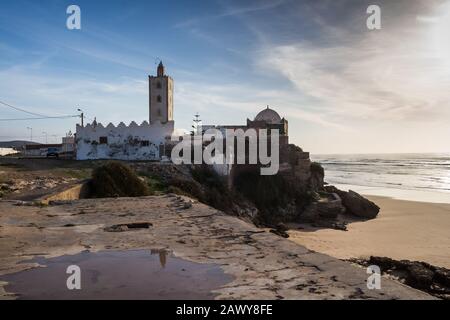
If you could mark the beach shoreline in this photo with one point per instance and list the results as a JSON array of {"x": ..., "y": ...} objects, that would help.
[
  {"x": 404, "y": 229},
  {"x": 428, "y": 196}
]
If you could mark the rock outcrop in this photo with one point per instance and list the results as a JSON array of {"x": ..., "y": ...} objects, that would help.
[
  {"x": 200, "y": 182},
  {"x": 420, "y": 275},
  {"x": 355, "y": 203},
  {"x": 316, "y": 181},
  {"x": 327, "y": 206},
  {"x": 296, "y": 194}
]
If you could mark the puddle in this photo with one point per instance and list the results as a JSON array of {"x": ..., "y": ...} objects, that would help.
[{"x": 130, "y": 274}]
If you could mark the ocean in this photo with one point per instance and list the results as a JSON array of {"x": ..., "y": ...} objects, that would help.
[{"x": 420, "y": 176}]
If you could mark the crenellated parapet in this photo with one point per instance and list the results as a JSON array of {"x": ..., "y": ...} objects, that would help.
[{"x": 96, "y": 127}]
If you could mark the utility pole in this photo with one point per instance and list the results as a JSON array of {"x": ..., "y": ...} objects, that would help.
[
  {"x": 82, "y": 117},
  {"x": 31, "y": 134}
]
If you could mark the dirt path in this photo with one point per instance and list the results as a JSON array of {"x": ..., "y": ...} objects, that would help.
[{"x": 261, "y": 264}]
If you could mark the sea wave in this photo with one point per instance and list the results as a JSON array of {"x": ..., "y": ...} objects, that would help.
[{"x": 402, "y": 171}]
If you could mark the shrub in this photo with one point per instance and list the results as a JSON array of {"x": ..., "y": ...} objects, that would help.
[
  {"x": 115, "y": 179},
  {"x": 154, "y": 182},
  {"x": 176, "y": 190},
  {"x": 206, "y": 176},
  {"x": 186, "y": 187},
  {"x": 216, "y": 193},
  {"x": 271, "y": 194},
  {"x": 207, "y": 187}
]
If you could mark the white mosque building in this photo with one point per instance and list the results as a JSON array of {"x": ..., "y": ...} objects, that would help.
[{"x": 145, "y": 141}]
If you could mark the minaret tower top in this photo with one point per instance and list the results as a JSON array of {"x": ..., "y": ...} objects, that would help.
[{"x": 160, "y": 71}]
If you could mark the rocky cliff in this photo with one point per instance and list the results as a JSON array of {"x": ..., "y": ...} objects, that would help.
[{"x": 296, "y": 194}]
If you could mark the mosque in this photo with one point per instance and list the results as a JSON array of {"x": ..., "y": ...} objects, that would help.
[
  {"x": 151, "y": 140},
  {"x": 145, "y": 141}
]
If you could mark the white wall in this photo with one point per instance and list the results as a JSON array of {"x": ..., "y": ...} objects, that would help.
[
  {"x": 6, "y": 151},
  {"x": 124, "y": 142}
]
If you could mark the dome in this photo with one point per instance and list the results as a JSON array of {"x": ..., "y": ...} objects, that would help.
[{"x": 268, "y": 115}]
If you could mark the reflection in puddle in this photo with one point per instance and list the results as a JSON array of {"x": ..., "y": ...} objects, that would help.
[
  {"x": 163, "y": 253},
  {"x": 130, "y": 274}
]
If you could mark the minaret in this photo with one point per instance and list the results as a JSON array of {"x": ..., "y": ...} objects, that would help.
[
  {"x": 160, "y": 96},
  {"x": 160, "y": 71}
]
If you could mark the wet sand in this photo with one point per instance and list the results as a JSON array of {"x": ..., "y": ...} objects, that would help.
[{"x": 403, "y": 230}]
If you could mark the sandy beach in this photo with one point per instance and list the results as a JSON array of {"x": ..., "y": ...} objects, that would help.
[{"x": 403, "y": 230}]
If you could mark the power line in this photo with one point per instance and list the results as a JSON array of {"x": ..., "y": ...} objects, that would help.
[
  {"x": 23, "y": 110},
  {"x": 41, "y": 118},
  {"x": 19, "y": 137}
]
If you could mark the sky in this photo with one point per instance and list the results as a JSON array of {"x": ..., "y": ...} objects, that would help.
[{"x": 342, "y": 87}]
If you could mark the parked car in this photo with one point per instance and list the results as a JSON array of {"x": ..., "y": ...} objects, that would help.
[{"x": 52, "y": 152}]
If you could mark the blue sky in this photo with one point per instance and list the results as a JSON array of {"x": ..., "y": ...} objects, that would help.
[{"x": 343, "y": 88}]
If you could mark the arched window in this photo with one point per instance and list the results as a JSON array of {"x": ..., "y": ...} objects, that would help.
[
  {"x": 158, "y": 85},
  {"x": 158, "y": 99}
]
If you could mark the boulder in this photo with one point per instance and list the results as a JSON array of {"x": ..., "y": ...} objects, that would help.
[
  {"x": 359, "y": 206},
  {"x": 327, "y": 206}
]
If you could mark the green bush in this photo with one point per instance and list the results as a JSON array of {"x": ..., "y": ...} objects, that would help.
[
  {"x": 115, "y": 179},
  {"x": 154, "y": 182}
]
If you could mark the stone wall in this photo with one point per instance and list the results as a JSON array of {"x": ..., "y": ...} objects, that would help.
[{"x": 294, "y": 161}]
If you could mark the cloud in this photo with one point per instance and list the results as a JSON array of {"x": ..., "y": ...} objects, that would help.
[
  {"x": 244, "y": 100},
  {"x": 427, "y": 19},
  {"x": 230, "y": 11},
  {"x": 312, "y": 61},
  {"x": 390, "y": 75}
]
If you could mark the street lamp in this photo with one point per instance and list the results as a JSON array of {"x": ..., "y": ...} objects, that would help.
[{"x": 31, "y": 134}]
